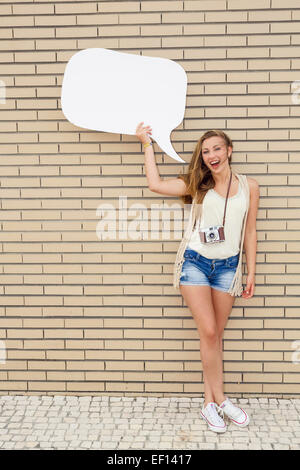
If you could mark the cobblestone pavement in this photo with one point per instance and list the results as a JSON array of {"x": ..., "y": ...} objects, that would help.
[{"x": 106, "y": 422}]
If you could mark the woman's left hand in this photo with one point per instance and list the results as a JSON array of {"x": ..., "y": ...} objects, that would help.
[{"x": 249, "y": 289}]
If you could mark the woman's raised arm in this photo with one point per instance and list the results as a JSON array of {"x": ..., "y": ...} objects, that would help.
[{"x": 169, "y": 187}]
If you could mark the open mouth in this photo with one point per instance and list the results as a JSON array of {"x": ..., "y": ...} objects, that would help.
[{"x": 215, "y": 163}]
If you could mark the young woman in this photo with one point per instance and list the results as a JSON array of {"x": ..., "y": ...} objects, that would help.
[{"x": 208, "y": 267}]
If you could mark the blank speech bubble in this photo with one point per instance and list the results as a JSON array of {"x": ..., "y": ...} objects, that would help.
[{"x": 111, "y": 91}]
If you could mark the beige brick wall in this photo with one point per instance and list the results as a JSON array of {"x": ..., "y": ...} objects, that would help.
[{"x": 85, "y": 316}]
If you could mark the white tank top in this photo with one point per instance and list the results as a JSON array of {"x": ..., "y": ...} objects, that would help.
[{"x": 212, "y": 214}]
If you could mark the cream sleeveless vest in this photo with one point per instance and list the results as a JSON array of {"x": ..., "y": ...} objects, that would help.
[
  {"x": 212, "y": 214},
  {"x": 236, "y": 287}
]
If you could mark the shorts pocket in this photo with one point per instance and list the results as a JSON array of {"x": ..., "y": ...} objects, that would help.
[
  {"x": 183, "y": 272},
  {"x": 232, "y": 263},
  {"x": 188, "y": 255}
]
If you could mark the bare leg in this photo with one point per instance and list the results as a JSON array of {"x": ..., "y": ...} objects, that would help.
[
  {"x": 222, "y": 302},
  {"x": 199, "y": 300}
]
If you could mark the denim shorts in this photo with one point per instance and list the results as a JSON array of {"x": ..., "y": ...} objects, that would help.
[{"x": 197, "y": 270}]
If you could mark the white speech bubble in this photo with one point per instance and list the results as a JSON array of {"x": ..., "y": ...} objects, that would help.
[{"x": 110, "y": 91}]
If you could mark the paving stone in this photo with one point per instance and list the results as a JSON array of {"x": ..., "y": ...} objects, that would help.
[{"x": 108, "y": 422}]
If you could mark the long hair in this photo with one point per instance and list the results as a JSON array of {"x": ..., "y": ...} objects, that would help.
[{"x": 198, "y": 177}]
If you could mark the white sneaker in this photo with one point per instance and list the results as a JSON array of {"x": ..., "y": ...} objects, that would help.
[
  {"x": 237, "y": 415},
  {"x": 213, "y": 419}
]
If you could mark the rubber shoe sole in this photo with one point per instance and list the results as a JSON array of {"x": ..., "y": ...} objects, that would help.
[
  {"x": 244, "y": 423},
  {"x": 218, "y": 429}
]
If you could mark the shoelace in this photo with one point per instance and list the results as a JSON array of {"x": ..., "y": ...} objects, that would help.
[
  {"x": 220, "y": 411},
  {"x": 235, "y": 412},
  {"x": 213, "y": 413}
]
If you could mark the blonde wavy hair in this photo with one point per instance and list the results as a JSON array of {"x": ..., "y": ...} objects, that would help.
[{"x": 198, "y": 177}]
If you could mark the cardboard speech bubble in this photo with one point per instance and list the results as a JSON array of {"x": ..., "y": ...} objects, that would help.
[{"x": 110, "y": 91}]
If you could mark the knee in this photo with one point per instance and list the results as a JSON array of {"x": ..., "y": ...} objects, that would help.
[{"x": 210, "y": 335}]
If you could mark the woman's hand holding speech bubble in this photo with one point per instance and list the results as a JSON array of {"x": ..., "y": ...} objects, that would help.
[{"x": 142, "y": 133}]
